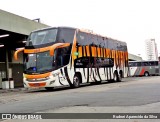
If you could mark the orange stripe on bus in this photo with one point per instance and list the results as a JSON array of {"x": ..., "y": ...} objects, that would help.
[
  {"x": 37, "y": 76},
  {"x": 80, "y": 51},
  {"x": 101, "y": 52},
  {"x": 104, "y": 52},
  {"x": 93, "y": 51},
  {"x": 37, "y": 50},
  {"x": 84, "y": 51},
  {"x": 108, "y": 53},
  {"x": 88, "y": 52},
  {"x": 98, "y": 50},
  {"x": 49, "y": 48}
]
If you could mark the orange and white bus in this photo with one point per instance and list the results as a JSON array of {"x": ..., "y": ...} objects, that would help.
[{"x": 68, "y": 56}]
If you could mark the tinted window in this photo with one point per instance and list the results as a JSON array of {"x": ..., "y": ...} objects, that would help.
[
  {"x": 138, "y": 64},
  {"x": 156, "y": 63},
  {"x": 63, "y": 56},
  {"x": 122, "y": 46},
  {"x": 39, "y": 62},
  {"x": 134, "y": 64},
  {"x": 106, "y": 42},
  {"x": 42, "y": 37},
  {"x": 84, "y": 38},
  {"x": 66, "y": 35},
  {"x": 145, "y": 63},
  {"x": 94, "y": 40},
  {"x": 110, "y": 44},
  {"x": 130, "y": 64},
  {"x": 101, "y": 41},
  {"x": 153, "y": 63}
]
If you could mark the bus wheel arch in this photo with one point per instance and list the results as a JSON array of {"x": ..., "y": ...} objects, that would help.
[
  {"x": 77, "y": 79},
  {"x": 146, "y": 73}
]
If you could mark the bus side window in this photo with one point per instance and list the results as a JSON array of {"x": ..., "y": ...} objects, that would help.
[
  {"x": 156, "y": 63},
  {"x": 133, "y": 64},
  {"x": 145, "y": 64},
  {"x": 152, "y": 63},
  {"x": 130, "y": 64},
  {"x": 137, "y": 64}
]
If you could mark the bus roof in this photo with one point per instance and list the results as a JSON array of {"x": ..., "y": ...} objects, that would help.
[
  {"x": 53, "y": 28},
  {"x": 81, "y": 30}
]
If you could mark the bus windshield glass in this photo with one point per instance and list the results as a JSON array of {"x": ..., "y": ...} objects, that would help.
[
  {"x": 42, "y": 37},
  {"x": 39, "y": 62}
]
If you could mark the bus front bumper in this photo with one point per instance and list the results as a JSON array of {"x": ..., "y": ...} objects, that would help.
[{"x": 43, "y": 82}]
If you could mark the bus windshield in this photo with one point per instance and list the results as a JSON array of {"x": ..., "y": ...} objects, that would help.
[
  {"x": 42, "y": 62},
  {"x": 42, "y": 37},
  {"x": 39, "y": 62}
]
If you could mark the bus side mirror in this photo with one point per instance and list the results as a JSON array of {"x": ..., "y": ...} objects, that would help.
[
  {"x": 56, "y": 46},
  {"x": 16, "y": 53}
]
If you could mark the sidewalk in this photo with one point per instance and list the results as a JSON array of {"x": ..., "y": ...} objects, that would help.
[
  {"x": 13, "y": 90},
  {"x": 19, "y": 89}
]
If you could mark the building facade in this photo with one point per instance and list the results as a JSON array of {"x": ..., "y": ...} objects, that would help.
[{"x": 151, "y": 49}]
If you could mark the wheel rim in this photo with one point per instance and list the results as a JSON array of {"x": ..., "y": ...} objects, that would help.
[
  {"x": 146, "y": 74},
  {"x": 115, "y": 77},
  {"x": 76, "y": 81}
]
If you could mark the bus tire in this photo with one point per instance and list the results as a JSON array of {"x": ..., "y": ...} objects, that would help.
[
  {"x": 76, "y": 81},
  {"x": 146, "y": 74},
  {"x": 115, "y": 77},
  {"x": 49, "y": 88},
  {"x": 120, "y": 76}
]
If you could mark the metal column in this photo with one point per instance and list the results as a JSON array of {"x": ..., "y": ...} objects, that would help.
[{"x": 7, "y": 67}]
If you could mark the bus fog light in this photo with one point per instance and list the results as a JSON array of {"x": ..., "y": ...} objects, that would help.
[{"x": 51, "y": 82}]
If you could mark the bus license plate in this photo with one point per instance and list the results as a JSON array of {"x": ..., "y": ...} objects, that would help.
[{"x": 36, "y": 84}]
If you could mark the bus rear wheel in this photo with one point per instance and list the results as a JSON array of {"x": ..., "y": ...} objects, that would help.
[
  {"x": 146, "y": 74},
  {"x": 119, "y": 77},
  {"x": 115, "y": 77}
]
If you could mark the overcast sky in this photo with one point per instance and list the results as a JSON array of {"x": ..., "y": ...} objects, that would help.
[{"x": 132, "y": 21}]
